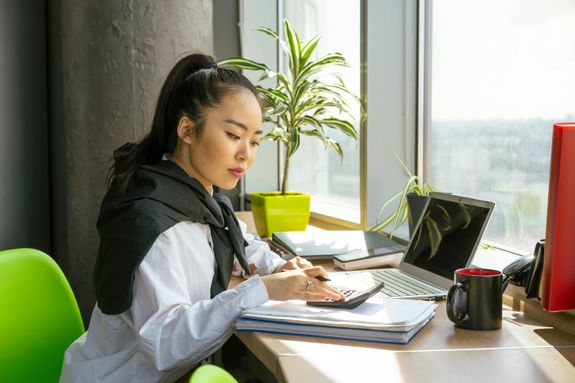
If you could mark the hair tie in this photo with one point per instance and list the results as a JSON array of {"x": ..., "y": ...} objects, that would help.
[{"x": 212, "y": 65}]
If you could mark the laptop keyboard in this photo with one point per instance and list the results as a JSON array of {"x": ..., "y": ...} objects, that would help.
[{"x": 397, "y": 283}]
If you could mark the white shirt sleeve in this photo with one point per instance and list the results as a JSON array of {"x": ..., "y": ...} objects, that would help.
[
  {"x": 174, "y": 318},
  {"x": 258, "y": 254}
]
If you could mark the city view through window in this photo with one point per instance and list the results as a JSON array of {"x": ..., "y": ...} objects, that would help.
[{"x": 502, "y": 74}]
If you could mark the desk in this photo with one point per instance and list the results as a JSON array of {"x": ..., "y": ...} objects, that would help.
[{"x": 523, "y": 350}]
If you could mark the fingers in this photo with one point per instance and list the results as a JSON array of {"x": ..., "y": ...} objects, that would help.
[
  {"x": 315, "y": 271},
  {"x": 302, "y": 263},
  {"x": 295, "y": 264},
  {"x": 300, "y": 284},
  {"x": 311, "y": 297},
  {"x": 318, "y": 291}
]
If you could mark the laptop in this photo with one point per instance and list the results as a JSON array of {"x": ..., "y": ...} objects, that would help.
[{"x": 445, "y": 239}]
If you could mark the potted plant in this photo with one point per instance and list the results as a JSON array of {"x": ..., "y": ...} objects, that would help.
[
  {"x": 411, "y": 203},
  {"x": 301, "y": 103}
]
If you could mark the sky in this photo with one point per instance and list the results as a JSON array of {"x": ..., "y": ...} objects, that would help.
[{"x": 503, "y": 59}]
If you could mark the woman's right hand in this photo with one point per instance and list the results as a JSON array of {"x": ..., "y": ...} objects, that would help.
[{"x": 300, "y": 284}]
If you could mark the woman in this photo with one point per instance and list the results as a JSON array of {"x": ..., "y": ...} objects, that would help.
[{"x": 169, "y": 240}]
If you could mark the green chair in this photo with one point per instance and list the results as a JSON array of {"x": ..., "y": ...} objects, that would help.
[
  {"x": 209, "y": 373},
  {"x": 39, "y": 317}
]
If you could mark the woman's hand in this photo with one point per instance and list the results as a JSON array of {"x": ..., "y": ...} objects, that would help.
[
  {"x": 295, "y": 263},
  {"x": 300, "y": 284}
]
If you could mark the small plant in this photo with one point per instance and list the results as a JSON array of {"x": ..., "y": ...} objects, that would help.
[
  {"x": 414, "y": 185},
  {"x": 301, "y": 103}
]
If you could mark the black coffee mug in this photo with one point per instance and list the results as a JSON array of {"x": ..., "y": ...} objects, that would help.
[{"x": 474, "y": 302}]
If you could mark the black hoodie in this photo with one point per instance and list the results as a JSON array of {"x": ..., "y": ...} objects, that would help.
[{"x": 156, "y": 198}]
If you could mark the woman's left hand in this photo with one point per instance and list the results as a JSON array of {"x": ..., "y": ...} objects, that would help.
[{"x": 294, "y": 264}]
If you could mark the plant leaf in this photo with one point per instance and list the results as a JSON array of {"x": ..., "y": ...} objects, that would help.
[
  {"x": 269, "y": 32},
  {"x": 242, "y": 63},
  {"x": 285, "y": 48},
  {"x": 317, "y": 133},
  {"x": 402, "y": 208},
  {"x": 385, "y": 223},
  {"x": 446, "y": 217},
  {"x": 407, "y": 171},
  {"x": 434, "y": 236},
  {"x": 386, "y": 203},
  {"x": 335, "y": 147},
  {"x": 466, "y": 215},
  {"x": 267, "y": 75},
  {"x": 294, "y": 47},
  {"x": 311, "y": 121},
  {"x": 313, "y": 67},
  {"x": 308, "y": 49},
  {"x": 344, "y": 126},
  {"x": 294, "y": 142},
  {"x": 285, "y": 82}
]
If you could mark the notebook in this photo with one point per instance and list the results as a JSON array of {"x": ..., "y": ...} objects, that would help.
[{"x": 445, "y": 239}]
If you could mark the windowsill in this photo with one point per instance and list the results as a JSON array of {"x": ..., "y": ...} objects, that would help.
[
  {"x": 333, "y": 211},
  {"x": 493, "y": 257}
]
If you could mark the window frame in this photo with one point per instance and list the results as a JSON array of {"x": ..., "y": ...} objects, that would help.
[
  {"x": 493, "y": 255},
  {"x": 390, "y": 125}
]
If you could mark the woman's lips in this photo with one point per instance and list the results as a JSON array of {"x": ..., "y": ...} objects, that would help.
[{"x": 237, "y": 172}]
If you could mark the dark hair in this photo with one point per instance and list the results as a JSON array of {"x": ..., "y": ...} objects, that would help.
[{"x": 195, "y": 84}]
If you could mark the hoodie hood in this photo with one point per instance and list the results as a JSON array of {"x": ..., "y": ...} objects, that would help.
[{"x": 155, "y": 198}]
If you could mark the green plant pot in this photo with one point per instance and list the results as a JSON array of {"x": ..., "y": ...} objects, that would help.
[{"x": 274, "y": 212}]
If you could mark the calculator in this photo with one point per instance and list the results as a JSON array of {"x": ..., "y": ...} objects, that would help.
[{"x": 353, "y": 298}]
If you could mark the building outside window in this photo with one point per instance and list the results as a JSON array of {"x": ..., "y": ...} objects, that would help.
[{"x": 501, "y": 75}]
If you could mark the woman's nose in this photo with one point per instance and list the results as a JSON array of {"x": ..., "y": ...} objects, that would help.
[{"x": 244, "y": 153}]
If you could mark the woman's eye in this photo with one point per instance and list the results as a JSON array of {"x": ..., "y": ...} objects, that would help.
[
  {"x": 232, "y": 136},
  {"x": 255, "y": 143}
]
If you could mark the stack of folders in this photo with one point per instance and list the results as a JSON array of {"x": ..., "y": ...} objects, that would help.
[{"x": 376, "y": 320}]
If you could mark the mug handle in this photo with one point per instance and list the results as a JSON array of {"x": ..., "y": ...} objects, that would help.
[{"x": 454, "y": 311}]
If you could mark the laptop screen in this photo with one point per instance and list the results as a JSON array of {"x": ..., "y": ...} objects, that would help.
[{"x": 448, "y": 234}]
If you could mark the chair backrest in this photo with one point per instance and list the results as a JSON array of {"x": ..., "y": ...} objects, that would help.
[
  {"x": 39, "y": 317},
  {"x": 209, "y": 373}
]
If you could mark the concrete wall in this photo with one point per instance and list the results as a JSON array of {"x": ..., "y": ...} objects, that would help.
[
  {"x": 24, "y": 158},
  {"x": 108, "y": 59}
]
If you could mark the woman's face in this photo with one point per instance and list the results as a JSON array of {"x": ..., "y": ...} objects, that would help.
[{"x": 226, "y": 145}]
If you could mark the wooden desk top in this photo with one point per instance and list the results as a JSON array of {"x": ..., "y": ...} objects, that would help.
[
  {"x": 524, "y": 365},
  {"x": 523, "y": 350},
  {"x": 439, "y": 340}
]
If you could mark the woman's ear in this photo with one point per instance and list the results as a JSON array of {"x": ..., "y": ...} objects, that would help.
[{"x": 186, "y": 130}]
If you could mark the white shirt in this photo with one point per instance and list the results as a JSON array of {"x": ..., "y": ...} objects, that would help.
[{"x": 172, "y": 324}]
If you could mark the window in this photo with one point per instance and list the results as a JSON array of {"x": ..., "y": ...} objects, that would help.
[
  {"x": 333, "y": 184},
  {"x": 501, "y": 73}
]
